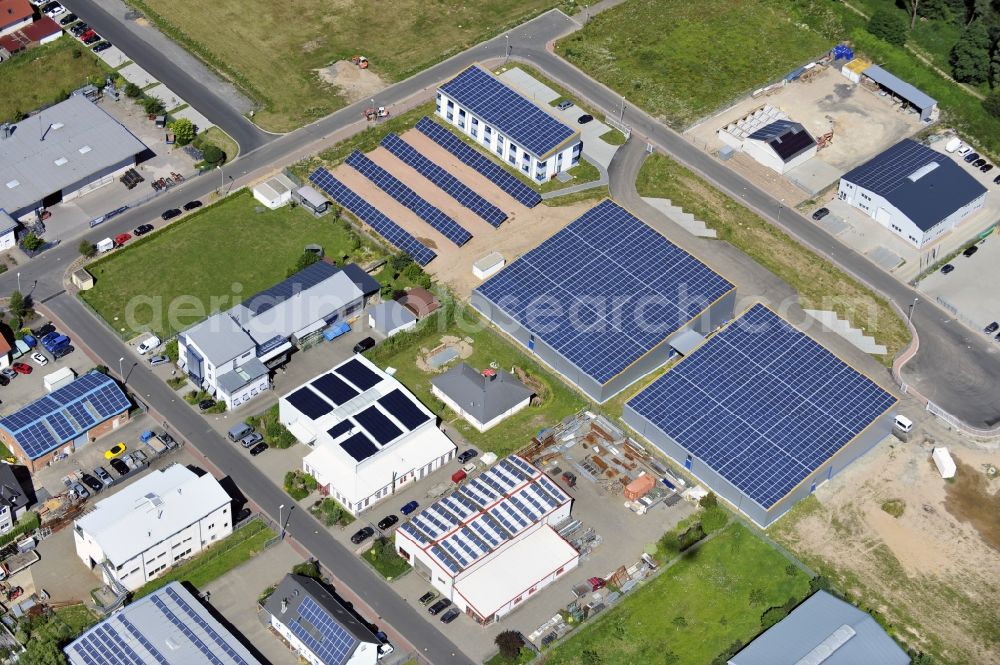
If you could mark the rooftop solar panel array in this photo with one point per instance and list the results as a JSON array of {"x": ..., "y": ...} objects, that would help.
[
  {"x": 762, "y": 404},
  {"x": 378, "y": 425},
  {"x": 613, "y": 289},
  {"x": 395, "y": 188},
  {"x": 480, "y": 162},
  {"x": 525, "y": 123},
  {"x": 334, "y": 388},
  {"x": 354, "y": 371},
  {"x": 444, "y": 180},
  {"x": 65, "y": 414},
  {"x": 403, "y": 409},
  {"x": 321, "y": 633},
  {"x": 359, "y": 446},
  {"x": 309, "y": 403},
  {"x": 367, "y": 213},
  {"x": 486, "y": 512}
]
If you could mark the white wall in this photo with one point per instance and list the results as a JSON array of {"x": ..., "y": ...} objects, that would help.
[
  {"x": 366, "y": 653},
  {"x": 503, "y": 148},
  {"x": 765, "y": 155},
  {"x": 246, "y": 393},
  {"x": 526, "y": 594},
  {"x": 16, "y": 26}
]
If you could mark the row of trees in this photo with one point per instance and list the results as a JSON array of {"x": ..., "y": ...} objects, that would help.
[{"x": 975, "y": 56}]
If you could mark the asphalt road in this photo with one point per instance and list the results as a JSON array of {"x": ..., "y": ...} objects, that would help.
[
  {"x": 954, "y": 368},
  {"x": 244, "y": 132}
]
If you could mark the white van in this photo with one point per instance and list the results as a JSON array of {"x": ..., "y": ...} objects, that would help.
[
  {"x": 148, "y": 344},
  {"x": 903, "y": 424},
  {"x": 105, "y": 245}
]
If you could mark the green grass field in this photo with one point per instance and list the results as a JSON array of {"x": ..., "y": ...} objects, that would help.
[
  {"x": 274, "y": 56},
  {"x": 77, "y": 617},
  {"x": 694, "y": 610},
  {"x": 214, "y": 562},
  {"x": 488, "y": 345},
  {"x": 682, "y": 60},
  {"x": 45, "y": 75},
  {"x": 820, "y": 285},
  {"x": 216, "y": 258}
]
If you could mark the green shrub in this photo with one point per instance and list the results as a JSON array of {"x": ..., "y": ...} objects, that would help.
[
  {"x": 308, "y": 569},
  {"x": 713, "y": 519},
  {"x": 889, "y": 26},
  {"x": 132, "y": 90},
  {"x": 299, "y": 484},
  {"x": 87, "y": 248},
  {"x": 212, "y": 154}
]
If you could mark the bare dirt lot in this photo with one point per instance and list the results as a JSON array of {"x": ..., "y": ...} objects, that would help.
[
  {"x": 863, "y": 123},
  {"x": 354, "y": 83},
  {"x": 524, "y": 229},
  {"x": 931, "y": 571}
]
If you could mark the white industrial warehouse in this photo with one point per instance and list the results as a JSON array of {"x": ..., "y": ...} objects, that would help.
[
  {"x": 490, "y": 545},
  {"x": 165, "y": 516},
  {"x": 371, "y": 436}
]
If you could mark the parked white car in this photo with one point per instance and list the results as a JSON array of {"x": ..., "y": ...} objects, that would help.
[
  {"x": 148, "y": 344},
  {"x": 39, "y": 359},
  {"x": 54, "y": 9}
]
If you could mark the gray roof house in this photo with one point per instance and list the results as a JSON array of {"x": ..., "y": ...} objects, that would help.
[
  {"x": 169, "y": 627},
  {"x": 389, "y": 318},
  {"x": 482, "y": 399},
  {"x": 14, "y": 498},
  {"x": 60, "y": 150},
  {"x": 318, "y": 626},
  {"x": 823, "y": 630}
]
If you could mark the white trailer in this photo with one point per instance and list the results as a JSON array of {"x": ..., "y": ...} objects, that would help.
[{"x": 58, "y": 379}]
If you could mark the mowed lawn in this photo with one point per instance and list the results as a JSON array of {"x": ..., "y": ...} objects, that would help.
[
  {"x": 401, "y": 351},
  {"x": 694, "y": 610},
  {"x": 218, "y": 257},
  {"x": 45, "y": 75},
  {"x": 681, "y": 60},
  {"x": 274, "y": 49}
]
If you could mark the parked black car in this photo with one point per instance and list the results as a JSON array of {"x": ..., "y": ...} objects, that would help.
[
  {"x": 120, "y": 467},
  {"x": 947, "y": 268},
  {"x": 439, "y": 606},
  {"x": 986, "y": 168},
  {"x": 63, "y": 352},
  {"x": 42, "y": 331},
  {"x": 970, "y": 250},
  {"x": 103, "y": 46},
  {"x": 258, "y": 449},
  {"x": 387, "y": 522},
  {"x": 585, "y": 118},
  {"x": 821, "y": 213},
  {"x": 93, "y": 483},
  {"x": 206, "y": 404},
  {"x": 362, "y": 535},
  {"x": 66, "y": 20},
  {"x": 79, "y": 29},
  {"x": 4, "y": 381},
  {"x": 979, "y": 162},
  {"x": 971, "y": 157},
  {"x": 427, "y": 597},
  {"x": 996, "y": 180},
  {"x": 450, "y": 615},
  {"x": 466, "y": 455},
  {"x": 991, "y": 328},
  {"x": 364, "y": 345},
  {"x": 142, "y": 229},
  {"x": 170, "y": 214},
  {"x": 192, "y": 205}
]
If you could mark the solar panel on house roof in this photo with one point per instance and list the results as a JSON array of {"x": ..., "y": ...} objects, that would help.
[
  {"x": 359, "y": 446},
  {"x": 451, "y": 185},
  {"x": 525, "y": 123},
  {"x": 322, "y": 634},
  {"x": 395, "y": 188},
  {"x": 343, "y": 427},
  {"x": 396, "y": 235},
  {"x": 403, "y": 409},
  {"x": 480, "y": 162},
  {"x": 375, "y": 422},
  {"x": 309, "y": 403},
  {"x": 762, "y": 404},
  {"x": 612, "y": 287},
  {"x": 334, "y": 388},
  {"x": 193, "y": 616},
  {"x": 358, "y": 374}
]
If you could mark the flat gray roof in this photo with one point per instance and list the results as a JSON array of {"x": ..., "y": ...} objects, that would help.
[
  {"x": 390, "y": 315},
  {"x": 80, "y": 141},
  {"x": 481, "y": 397},
  {"x": 249, "y": 371},
  {"x": 219, "y": 339},
  {"x": 907, "y": 91},
  {"x": 169, "y": 626}
]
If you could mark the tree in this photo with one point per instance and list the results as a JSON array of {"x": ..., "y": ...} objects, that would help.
[
  {"x": 308, "y": 569},
  {"x": 995, "y": 67},
  {"x": 970, "y": 56},
  {"x": 509, "y": 643},
  {"x": 132, "y": 90},
  {"x": 305, "y": 260},
  {"x": 889, "y": 26},
  {"x": 87, "y": 248},
  {"x": 913, "y": 5},
  {"x": 992, "y": 103},
  {"x": 153, "y": 105},
  {"x": 31, "y": 242},
  {"x": 212, "y": 154},
  {"x": 19, "y": 305},
  {"x": 183, "y": 130},
  {"x": 709, "y": 500}
]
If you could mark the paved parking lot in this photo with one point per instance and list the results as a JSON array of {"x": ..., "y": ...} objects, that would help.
[
  {"x": 968, "y": 292},
  {"x": 25, "y": 388}
]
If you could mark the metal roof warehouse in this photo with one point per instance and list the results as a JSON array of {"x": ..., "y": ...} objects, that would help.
[{"x": 65, "y": 150}]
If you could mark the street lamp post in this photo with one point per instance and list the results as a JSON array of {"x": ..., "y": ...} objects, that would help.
[
  {"x": 222, "y": 178},
  {"x": 281, "y": 523},
  {"x": 909, "y": 317},
  {"x": 121, "y": 370},
  {"x": 621, "y": 115},
  {"x": 506, "y": 52},
  {"x": 18, "y": 281},
  {"x": 781, "y": 204}
]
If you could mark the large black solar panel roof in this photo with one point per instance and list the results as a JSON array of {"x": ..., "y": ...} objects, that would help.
[
  {"x": 617, "y": 289},
  {"x": 309, "y": 403},
  {"x": 762, "y": 404}
]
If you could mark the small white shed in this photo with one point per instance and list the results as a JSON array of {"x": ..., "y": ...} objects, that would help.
[
  {"x": 944, "y": 463},
  {"x": 58, "y": 379},
  {"x": 489, "y": 265},
  {"x": 275, "y": 191}
]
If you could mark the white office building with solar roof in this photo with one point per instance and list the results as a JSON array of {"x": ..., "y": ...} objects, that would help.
[
  {"x": 490, "y": 545},
  {"x": 168, "y": 515},
  {"x": 168, "y": 627},
  {"x": 370, "y": 435},
  {"x": 606, "y": 300},
  {"x": 509, "y": 125},
  {"x": 762, "y": 414}
]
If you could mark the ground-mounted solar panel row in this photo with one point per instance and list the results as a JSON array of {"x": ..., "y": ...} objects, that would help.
[
  {"x": 448, "y": 183},
  {"x": 396, "y": 235},
  {"x": 422, "y": 208},
  {"x": 481, "y": 163}
]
